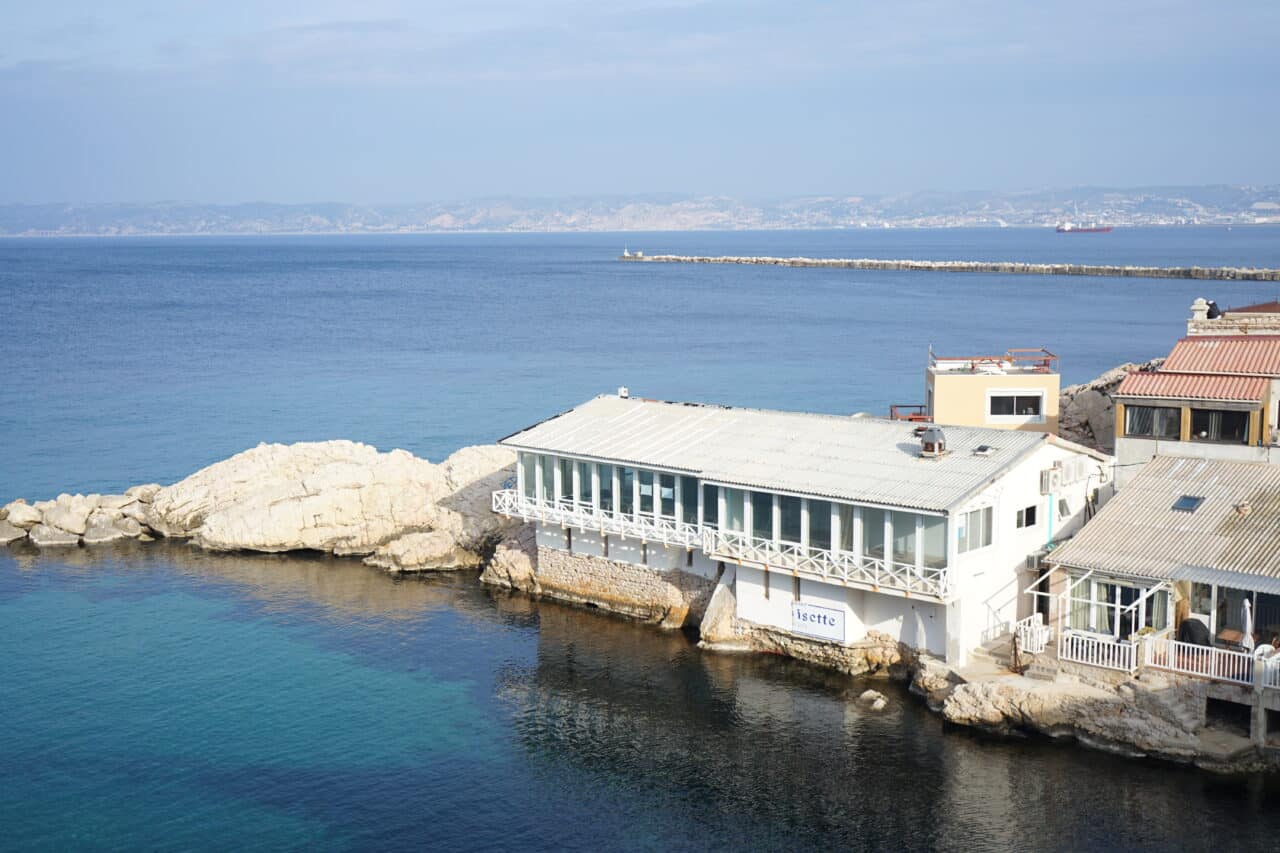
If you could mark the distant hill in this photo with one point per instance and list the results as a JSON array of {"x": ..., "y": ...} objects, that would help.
[{"x": 1137, "y": 206}]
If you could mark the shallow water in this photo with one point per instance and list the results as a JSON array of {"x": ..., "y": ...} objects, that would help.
[{"x": 160, "y": 698}]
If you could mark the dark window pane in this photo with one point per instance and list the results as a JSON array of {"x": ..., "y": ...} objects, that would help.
[
  {"x": 762, "y": 515},
  {"x": 689, "y": 500},
  {"x": 711, "y": 505},
  {"x": 790, "y": 518},
  {"x": 626, "y": 495},
  {"x": 646, "y": 492},
  {"x": 820, "y": 524},
  {"x": 1027, "y": 405},
  {"x": 606, "y": 487},
  {"x": 667, "y": 495},
  {"x": 1002, "y": 405}
]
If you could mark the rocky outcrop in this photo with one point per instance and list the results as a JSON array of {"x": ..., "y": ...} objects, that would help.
[
  {"x": 335, "y": 496},
  {"x": 514, "y": 561},
  {"x": 1086, "y": 414},
  {"x": 10, "y": 533}
]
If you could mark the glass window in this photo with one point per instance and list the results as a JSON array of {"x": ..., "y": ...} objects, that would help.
[
  {"x": 974, "y": 530},
  {"x": 548, "y": 464},
  {"x": 626, "y": 490},
  {"x": 1219, "y": 425},
  {"x": 646, "y": 492},
  {"x": 791, "y": 519},
  {"x": 735, "y": 516},
  {"x": 1153, "y": 421},
  {"x": 762, "y": 515},
  {"x": 689, "y": 500},
  {"x": 1027, "y": 517},
  {"x": 820, "y": 524},
  {"x": 873, "y": 532},
  {"x": 566, "y": 479},
  {"x": 606, "y": 487},
  {"x": 1104, "y": 614},
  {"x": 1201, "y": 598},
  {"x": 1158, "y": 610},
  {"x": 904, "y": 537},
  {"x": 846, "y": 527},
  {"x": 585, "y": 492},
  {"x": 933, "y": 541},
  {"x": 710, "y": 506},
  {"x": 529, "y": 473},
  {"x": 667, "y": 495},
  {"x": 1026, "y": 405}
]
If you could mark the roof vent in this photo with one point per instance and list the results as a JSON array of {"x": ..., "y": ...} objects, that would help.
[
  {"x": 983, "y": 450},
  {"x": 1243, "y": 509},
  {"x": 624, "y": 392},
  {"x": 933, "y": 442}
]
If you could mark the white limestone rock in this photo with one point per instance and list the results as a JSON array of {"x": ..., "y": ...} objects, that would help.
[
  {"x": 118, "y": 502},
  {"x": 10, "y": 533},
  {"x": 144, "y": 493},
  {"x": 129, "y": 527},
  {"x": 23, "y": 515},
  {"x": 435, "y": 550},
  {"x": 334, "y": 496},
  {"x": 71, "y": 513},
  {"x": 100, "y": 534},
  {"x": 46, "y": 537},
  {"x": 514, "y": 562},
  {"x": 717, "y": 626},
  {"x": 873, "y": 699}
]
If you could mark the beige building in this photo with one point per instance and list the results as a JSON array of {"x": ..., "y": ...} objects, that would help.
[{"x": 1015, "y": 390}]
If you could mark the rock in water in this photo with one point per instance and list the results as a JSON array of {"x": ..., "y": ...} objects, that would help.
[
  {"x": 335, "y": 496},
  {"x": 514, "y": 561},
  {"x": 71, "y": 513},
  {"x": 436, "y": 550},
  {"x": 873, "y": 699},
  {"x": 46, "y": 536},
  {"x": 22, "y": 515},
  {"x": 10, "y": 533},
  {"x": 101, "y": 533}
]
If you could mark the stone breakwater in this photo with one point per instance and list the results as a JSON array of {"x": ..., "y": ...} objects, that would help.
[
  {"x": 394, "y": 510},
  {"x": 1004, "y": 267}
]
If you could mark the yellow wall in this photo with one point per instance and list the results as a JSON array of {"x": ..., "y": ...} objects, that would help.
[{"x": 961, "y": 398}]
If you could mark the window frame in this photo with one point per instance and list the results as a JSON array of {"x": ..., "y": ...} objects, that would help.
[{"x": 1000, "y": 393}]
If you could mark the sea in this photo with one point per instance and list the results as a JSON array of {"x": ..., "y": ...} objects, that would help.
[{"x": 157, "y": 697}]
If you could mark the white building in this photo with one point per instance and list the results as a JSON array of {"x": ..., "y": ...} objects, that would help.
[{"x": 837, "y": 526}]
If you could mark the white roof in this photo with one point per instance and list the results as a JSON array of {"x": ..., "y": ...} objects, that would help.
[
  {"x": 1231, "y": 537},
  {"x": 860, "y": 459}
]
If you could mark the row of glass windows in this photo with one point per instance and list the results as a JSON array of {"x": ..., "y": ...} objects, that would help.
[
  {"x": 1116, "y": 609},
  {"x": 904, "y": 537},
  {"x": 1165, "y": 422}
]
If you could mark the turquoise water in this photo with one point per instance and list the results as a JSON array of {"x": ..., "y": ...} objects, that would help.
[{"x": 155, "y": 697}]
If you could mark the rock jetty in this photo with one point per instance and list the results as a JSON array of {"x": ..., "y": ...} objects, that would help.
[
  {"x": 397, "y": 511},
  {"x": 1004, "y": 267}
]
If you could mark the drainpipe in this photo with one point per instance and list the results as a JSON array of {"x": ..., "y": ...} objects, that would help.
[{"x": 1048, "y": 541}]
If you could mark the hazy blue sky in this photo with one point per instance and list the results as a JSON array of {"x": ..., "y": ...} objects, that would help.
[{"x": 396, "y": 101}]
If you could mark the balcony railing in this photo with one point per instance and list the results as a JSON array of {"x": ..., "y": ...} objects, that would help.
[
  {"x": 878, "y": 574},
  {"x": 1099, "y": 651},
  {"x": 1033, "y": 635},
  {"x": 584, "y": 516},
  {"x": 1212, "y": 663}
]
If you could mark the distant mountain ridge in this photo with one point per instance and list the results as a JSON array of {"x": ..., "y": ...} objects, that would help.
[{"x": 1219, "y": 204}]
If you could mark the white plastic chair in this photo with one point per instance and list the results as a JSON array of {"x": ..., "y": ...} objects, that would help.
[{"x": 1265, "y": 650}]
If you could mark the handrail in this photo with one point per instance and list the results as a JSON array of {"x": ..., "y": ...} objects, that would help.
[
  {"x": 1207, "y": 662},
  {"x": 1099, "y": 651},
  {"x": 1033, "y": 635},
  {"x": 838, "y": 565},
  {"x": 584, "y": 516}
]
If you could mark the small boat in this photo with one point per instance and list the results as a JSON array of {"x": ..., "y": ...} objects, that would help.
[{"x": 1071, "y": 228}]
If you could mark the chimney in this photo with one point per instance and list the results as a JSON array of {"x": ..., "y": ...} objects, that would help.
[{"x": 933, "y": 442}]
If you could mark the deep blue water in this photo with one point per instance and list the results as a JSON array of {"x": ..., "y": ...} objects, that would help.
[{"x": 153, "y": 697}]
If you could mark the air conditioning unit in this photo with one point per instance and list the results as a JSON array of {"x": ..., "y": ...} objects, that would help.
[{"x": 1050, "y": 480}]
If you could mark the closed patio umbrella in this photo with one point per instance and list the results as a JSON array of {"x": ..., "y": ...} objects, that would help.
[{"x": 1247, "y": 619}]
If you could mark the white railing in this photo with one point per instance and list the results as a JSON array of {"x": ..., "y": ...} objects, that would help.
[
  {"x": 1096, "y": 650},
  {"x": 1033, "y": 635},
  {"x": 584, "y": 516},
  {"x": 879, "y": 574},
  {"x": 1268, "y": 672},
  {"x": 1204, "y": 661}
]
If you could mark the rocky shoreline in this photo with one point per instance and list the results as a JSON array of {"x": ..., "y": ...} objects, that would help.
[{"x": 1001, "y": 267}]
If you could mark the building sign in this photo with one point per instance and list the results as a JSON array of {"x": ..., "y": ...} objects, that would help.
[{"x": 822, "y": 623}]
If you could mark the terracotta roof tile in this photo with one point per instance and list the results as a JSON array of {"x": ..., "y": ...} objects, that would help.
[
  {"x": 1241, "y": 355},
  {"x": 1193, "y": 386}
]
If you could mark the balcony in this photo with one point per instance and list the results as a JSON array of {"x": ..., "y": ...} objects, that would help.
[
  {"x": 878, "y": 575},
  {"x": 584, "y": 516}
]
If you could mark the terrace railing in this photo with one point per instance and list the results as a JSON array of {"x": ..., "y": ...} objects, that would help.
[
  {"x": 1099, "y": 651},
  {"x": 583, "y": 516},
  {"x": 1033, "y": 635},
  {"x": 1208, "y": 662},
  {"x": 876, "y": 573}
]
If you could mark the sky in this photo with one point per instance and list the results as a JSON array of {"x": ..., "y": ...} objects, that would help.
[{"x": 401, "y": 102}]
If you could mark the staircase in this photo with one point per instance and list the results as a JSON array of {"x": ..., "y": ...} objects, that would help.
[{"x": 999, "y": 652}]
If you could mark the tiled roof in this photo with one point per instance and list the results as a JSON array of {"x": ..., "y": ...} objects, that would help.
[
  {"x": 1193, "y": 386},
  {"x": 1236, "y": 528},
  {"x": 845, "y": 458},
  {"x": 1245, "y": 355}
]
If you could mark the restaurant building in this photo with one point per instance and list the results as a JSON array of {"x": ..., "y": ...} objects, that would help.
[{"x": 835, "y": 526}]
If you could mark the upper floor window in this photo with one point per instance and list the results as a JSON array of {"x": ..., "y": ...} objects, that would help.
[
  {"x": 1220, "y": 425},
  {"x": 974, "y": 530},
  {"x": 1027, "y": 517},
  {"x": 1015, "y": 406},
  {"x": 1153, "y": 421}
]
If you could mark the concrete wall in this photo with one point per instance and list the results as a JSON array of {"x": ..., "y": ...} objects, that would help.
[
  {"x": 1131, "y": 453},
  {"x": 919, "y": 624},
  {"x": 961, "y": 399}
]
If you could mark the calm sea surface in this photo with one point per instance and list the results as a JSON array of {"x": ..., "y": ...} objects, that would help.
[{"x": 159, "y": 698}]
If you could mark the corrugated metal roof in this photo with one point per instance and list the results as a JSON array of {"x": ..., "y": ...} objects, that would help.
[
  {"x": 1139, "y": 533},
  {"x": 845, "y": 458},
  {"x": 1248, "y": 355},
  {"x": 1193, "y": 386}
]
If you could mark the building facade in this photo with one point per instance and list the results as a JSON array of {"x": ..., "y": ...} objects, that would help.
[
  {"x": 1015, "y": 390},
  {"x": 835, "y": 526}
]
